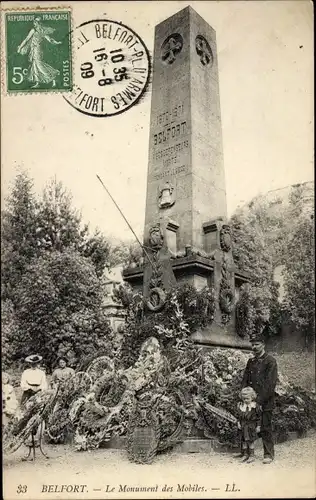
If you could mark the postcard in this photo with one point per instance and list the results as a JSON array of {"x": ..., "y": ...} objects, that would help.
[{"x": 157, "y": 250}]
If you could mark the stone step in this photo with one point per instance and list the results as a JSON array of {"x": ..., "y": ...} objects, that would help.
[
  {"x": 195, "y": 446},
  {"x": 198, "y": 444}
]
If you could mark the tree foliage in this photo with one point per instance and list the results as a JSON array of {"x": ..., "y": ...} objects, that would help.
[
  {"x": 125, "y": 253},
  {"x": 267, "y": 234},
  {"x": 51, "y": 266},
  {"x": 13, "y": 339},
  {"x": 252, "y": 254},
  {"x": 60, "y": 307},
  {"x": 18, "y": 234},
  {"x": 32, "y": 226},
  {"x": 299, "y": 269},
  {"x": 98, "y": 249},
  {"x": 59, "y": 224},
  {"x": 60, "y": 227}
]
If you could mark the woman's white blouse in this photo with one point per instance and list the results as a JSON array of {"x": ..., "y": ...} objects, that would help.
[{"x": 31, "y": 377}]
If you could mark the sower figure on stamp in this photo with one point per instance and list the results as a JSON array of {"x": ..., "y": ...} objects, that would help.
[
  {"x": 39, "y": 71},
  {"x": 261, "y": 374}
]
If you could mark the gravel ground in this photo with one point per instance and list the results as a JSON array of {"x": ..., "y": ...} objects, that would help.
[{"x": 86, "y": 475}]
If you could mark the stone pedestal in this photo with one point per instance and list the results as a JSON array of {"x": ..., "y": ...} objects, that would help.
[{"x": 213, "y": 267}]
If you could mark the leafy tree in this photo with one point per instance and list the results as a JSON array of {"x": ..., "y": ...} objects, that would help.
[
  {"x": 18, "y": 234},
  {"x": 125, "y": 253},
  {"x": 253, "y": 255},
  {"x": 52, "y": 296},
  {"x": 13, "y": 340},
  {"x": 60, "y": 305},
  {"x": 60, "y": 227},
  {"x": 267, "y": 234},
  {"x": 97, "y": 248},
  {"x": 59, "y": 224},
  {"x": 299, "y": 276}
]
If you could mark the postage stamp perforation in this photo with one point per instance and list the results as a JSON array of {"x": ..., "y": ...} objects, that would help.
[{"x": 4, "y": 70}]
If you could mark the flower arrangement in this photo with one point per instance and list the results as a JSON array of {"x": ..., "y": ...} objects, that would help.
[
  {"x": 209, "y": 377},
  {"x": 223, "y": 369},
  {"x": 191, "y": 387}
]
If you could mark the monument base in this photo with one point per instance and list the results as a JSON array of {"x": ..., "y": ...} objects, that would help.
[
  {"x": 199, "y": 272},
  {"x": 187, "y": 269},
  {"x": 218, "y": 336},
  {"x": 204, "y": 445},
  {"x": 189, "y": 445}
]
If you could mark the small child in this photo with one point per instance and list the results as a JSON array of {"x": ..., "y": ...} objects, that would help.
[
  {"x": 249, "y": 415},
  {"x": 9, "y": 400}
]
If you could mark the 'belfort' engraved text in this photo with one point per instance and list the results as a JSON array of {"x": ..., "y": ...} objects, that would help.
[{"x": 171, "y": 132}]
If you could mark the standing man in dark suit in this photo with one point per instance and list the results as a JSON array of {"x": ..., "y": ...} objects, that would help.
[{"x": 261, "y": 374}]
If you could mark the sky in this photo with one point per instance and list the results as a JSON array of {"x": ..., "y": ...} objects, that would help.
[{"x": 265, "y": 52}]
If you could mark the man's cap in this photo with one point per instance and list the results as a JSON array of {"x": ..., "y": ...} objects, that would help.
[
  {"x": 257, "y": 338},
  {"x": 34, "y": 358}
]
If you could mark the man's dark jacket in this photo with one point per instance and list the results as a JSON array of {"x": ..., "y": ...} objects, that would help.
[{"x": 261, "y": 374}]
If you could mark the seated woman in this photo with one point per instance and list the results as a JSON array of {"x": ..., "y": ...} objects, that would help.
[{"x": 62, "y": 373}]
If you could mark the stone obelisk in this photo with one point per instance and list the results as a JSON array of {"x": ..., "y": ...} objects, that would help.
[
  {"x": 186, "y": 233},
  {"x": 185, "y": 143}
]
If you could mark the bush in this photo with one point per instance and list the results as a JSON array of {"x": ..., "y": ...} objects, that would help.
[
  {"x": 60, "y": 308},
  {"x": 186, "y": 310},
  {"x": 298, "y": 367}
]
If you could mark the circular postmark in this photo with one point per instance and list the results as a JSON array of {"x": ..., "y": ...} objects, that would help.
[{"x": 111, "y": 68}]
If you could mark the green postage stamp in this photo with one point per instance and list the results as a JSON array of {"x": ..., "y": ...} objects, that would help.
[{"x": 38, "y": 51}]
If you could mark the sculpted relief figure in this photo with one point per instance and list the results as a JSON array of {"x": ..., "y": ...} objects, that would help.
[
  {"x": 225, "y": 238},
  {"x": 166, "y": 198},
  {"x": 156, "y": 237}
]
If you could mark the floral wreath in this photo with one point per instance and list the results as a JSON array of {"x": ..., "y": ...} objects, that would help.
[{"x": 156, "y": 293}]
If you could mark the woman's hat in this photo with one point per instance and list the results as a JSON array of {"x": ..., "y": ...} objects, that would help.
[{"x": 34, "y": 358}]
